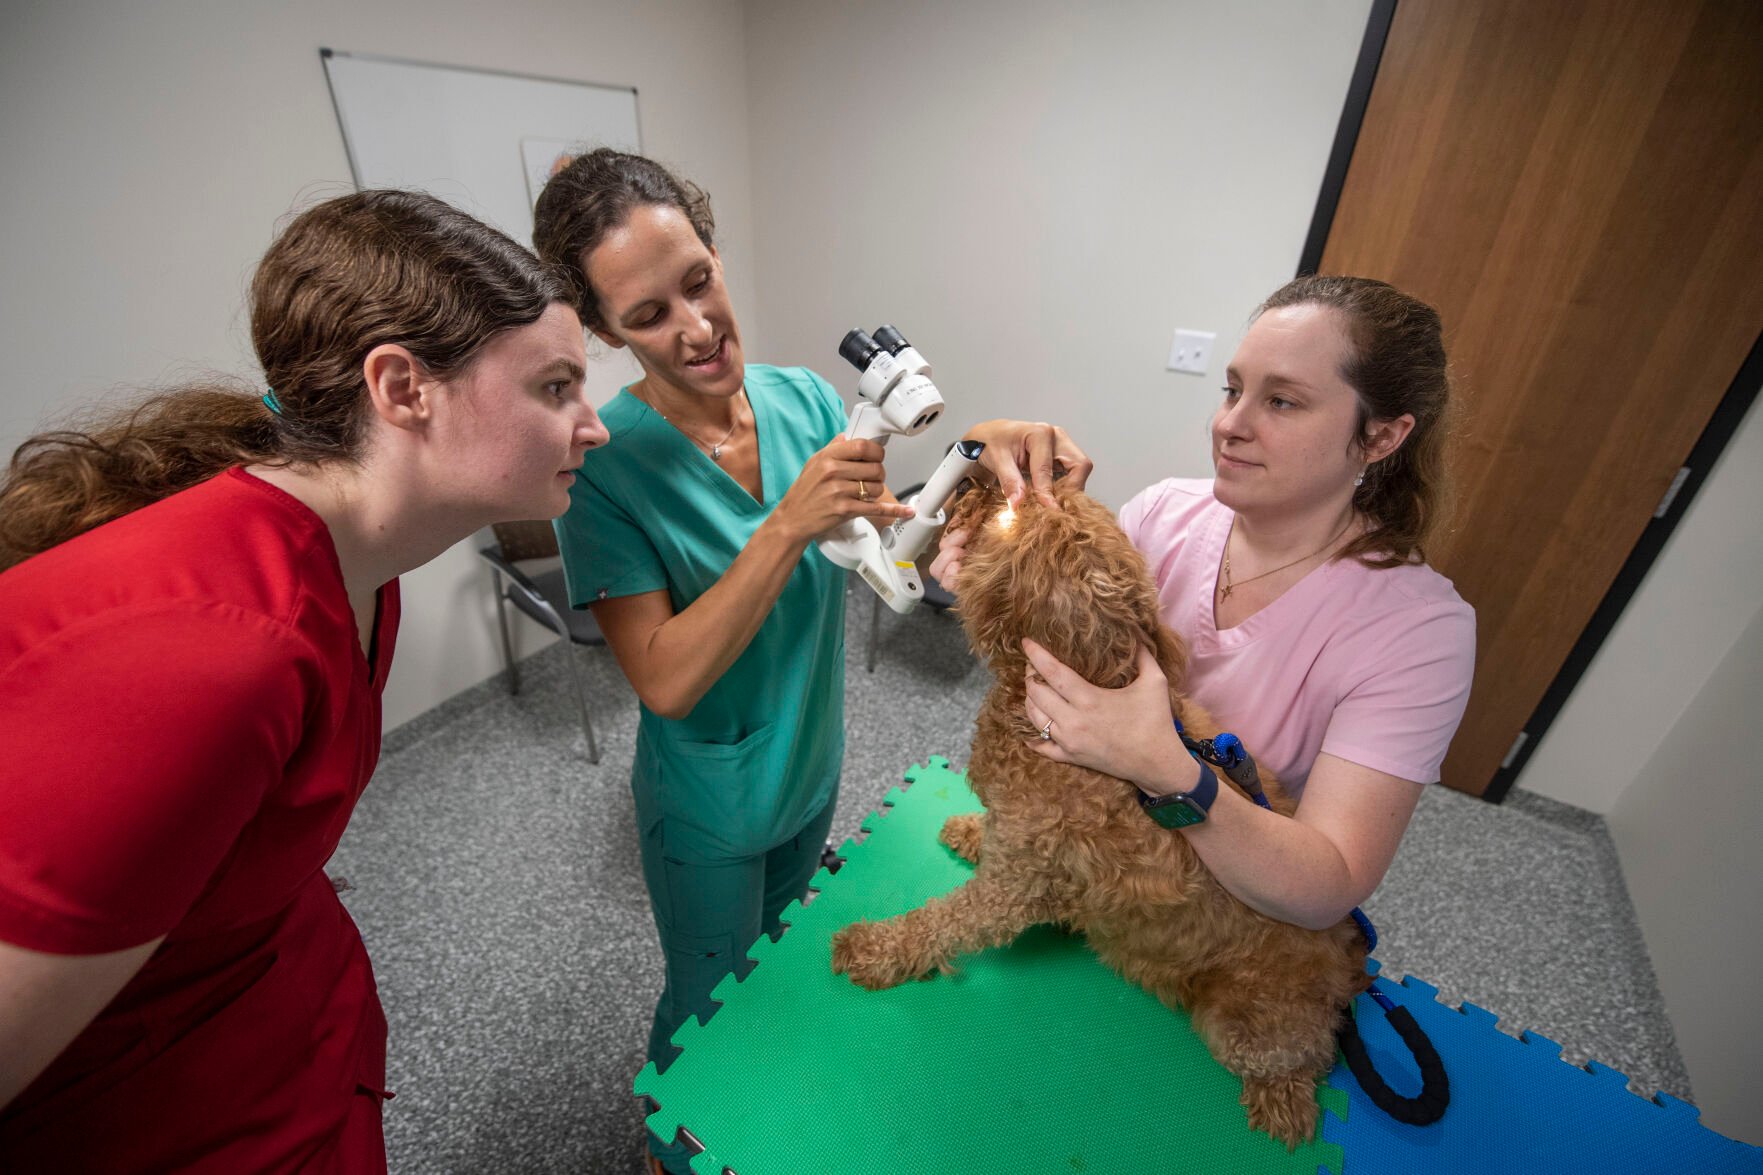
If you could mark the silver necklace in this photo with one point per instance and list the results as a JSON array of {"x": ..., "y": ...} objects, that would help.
[{"x": 714, "y": 447}]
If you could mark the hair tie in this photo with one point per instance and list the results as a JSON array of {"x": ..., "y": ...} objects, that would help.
[{"x": 273, "y": 404}]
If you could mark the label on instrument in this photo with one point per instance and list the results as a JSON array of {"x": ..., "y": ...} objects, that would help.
[{"x": 884, "y": 589}]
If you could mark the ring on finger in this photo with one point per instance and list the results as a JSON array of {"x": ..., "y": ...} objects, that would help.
[
  {"x": 862, "y": 491},
  {"x": 1047, "y": 730}
]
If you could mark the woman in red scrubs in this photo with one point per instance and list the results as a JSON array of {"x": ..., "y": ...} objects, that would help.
[{"x": 196, "y": 619}]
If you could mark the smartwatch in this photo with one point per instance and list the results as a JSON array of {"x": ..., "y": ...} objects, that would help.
[{"x": 1182, "y": 808}]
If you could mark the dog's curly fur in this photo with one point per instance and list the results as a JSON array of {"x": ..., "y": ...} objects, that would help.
[{"x": 1067, "y": 845}]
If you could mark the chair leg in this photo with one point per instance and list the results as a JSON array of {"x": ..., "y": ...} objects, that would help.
[
  {"x": 875, "y": 609},
  {"x": 581, "y": 697},
  {"x": 507, "y": 646}
]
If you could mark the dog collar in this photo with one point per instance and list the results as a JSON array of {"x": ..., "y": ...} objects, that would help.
[{"x": 1182, "y": 808}]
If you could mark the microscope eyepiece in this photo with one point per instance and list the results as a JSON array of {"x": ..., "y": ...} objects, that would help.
[
  {"x": 858, "y": 349},
  {"x": 891, "y": 340}
]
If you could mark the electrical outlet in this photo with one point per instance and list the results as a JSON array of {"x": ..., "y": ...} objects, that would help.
[{"x": 1192, "y": 351}]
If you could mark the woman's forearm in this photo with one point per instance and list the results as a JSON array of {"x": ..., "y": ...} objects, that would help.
[
  {"x": 1310, "y": 868},
  {"x": 1271, "y": 863},
  {"x": 684, "y": 656},
  {"x": 1274, "y": 864},
  {"x": 672, "y": 659}
]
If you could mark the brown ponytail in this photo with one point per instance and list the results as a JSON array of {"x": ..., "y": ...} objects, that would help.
[
  {"x": 344, "y": 277},
  {"x": 65, "y": 482}
]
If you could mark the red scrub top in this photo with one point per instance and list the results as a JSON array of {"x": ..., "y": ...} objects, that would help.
[{"x": 186, "y": 721}]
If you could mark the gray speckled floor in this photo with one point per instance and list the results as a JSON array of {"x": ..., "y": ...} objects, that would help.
[{"x": 494, "y": 875}]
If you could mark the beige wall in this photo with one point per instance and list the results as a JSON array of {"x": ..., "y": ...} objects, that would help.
[
  {"x": 1688, "y": 830},
  {"x": 153, "y": 148},
  {"x": 1038, "y": 194}
]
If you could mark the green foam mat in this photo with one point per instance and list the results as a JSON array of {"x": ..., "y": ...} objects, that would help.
[{"x": 1031, "y": 1058}]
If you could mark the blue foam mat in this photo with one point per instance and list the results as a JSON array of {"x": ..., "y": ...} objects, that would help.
[{"x": 1516, "y": 1107}]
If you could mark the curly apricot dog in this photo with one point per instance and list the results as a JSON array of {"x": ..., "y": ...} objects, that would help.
[{"x": 1067, "y": 845}]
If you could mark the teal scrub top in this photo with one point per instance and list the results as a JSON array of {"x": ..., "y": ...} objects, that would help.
[{"x": 759, "y": 755}]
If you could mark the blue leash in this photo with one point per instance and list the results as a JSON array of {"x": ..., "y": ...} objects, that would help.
[{"x": 1227, "y": 753}]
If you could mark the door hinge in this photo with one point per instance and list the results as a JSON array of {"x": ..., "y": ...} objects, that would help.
[
  {"x": 1671, "y": 492},
  {"x": 1517, "y": 745}
]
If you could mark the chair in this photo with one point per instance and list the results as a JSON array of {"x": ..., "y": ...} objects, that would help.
[
  {"x": 936, "y": 596},
  {"x": 545, "y": 598}
]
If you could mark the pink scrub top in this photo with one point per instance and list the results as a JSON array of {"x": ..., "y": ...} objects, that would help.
[{"x": 1369, "y": 665}]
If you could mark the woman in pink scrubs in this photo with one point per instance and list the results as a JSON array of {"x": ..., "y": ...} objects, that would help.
[{"x": 1297, "y": 578}]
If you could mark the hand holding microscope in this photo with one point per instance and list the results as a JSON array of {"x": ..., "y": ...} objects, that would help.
[{"x": 895, "y": 398}]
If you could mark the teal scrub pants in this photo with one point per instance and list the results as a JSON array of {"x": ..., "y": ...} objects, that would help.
[{"x": 707, "y": 915}]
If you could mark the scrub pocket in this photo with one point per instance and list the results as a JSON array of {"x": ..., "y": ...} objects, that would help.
[{"x": 720, "y": 799}]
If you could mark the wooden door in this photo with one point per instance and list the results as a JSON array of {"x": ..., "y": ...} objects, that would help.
[{"x": 1577, "y": 186}]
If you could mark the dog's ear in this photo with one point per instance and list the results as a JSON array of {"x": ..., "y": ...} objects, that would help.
[
  {"x": 1084, "y": 590},
  {"x": 1059, "y": 592}
]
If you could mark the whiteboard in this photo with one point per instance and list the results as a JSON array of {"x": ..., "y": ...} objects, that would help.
[{"x": 482, "y": 141}]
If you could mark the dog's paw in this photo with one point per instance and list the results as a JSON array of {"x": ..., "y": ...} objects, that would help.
[
  {"x": 871, "y": 954},
  {"x": 1284, "y": 1107},
  {"x": 963, "y": 833}
]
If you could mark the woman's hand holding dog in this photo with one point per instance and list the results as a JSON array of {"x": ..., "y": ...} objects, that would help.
[
  {"x": 1013, "y": 448},
  {"x": 1128, "y": 732}
]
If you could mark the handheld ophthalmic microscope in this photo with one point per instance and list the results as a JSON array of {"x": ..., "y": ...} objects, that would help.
[{"x": 896, "y": 398}]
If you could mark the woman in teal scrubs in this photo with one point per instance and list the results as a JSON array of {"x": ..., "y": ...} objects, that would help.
[{"x": 693, "y": 544}]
